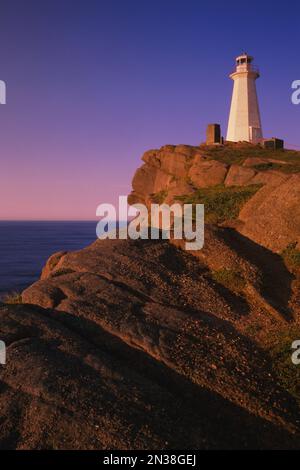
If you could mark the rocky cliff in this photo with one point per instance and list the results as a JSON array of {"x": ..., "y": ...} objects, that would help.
[
  {"x": 270, "y": 215},
  {"x": 141, "y": 345}
]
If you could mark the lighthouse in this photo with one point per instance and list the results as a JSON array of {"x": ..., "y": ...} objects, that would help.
[{"x": 244, "y": 118}]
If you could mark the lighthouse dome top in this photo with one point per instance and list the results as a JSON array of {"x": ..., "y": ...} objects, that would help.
[
  {"x": 244, "y": 59},
  {"x": 244, "y": 64}
]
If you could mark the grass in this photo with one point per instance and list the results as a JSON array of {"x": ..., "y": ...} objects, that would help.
[
  {"x": 221, "y": 203},
  {"x": 227, "y": 154},
  {"x": 13, "y": 298},
  {"x": 159, "y": 197},
  {"x": 253, "y": 329},
  {"x": 284, "y": 168},
  {"x": 239, "y": 152},
  {"x": 229, "y": 278},
  {"x": 291, "y": 256}
]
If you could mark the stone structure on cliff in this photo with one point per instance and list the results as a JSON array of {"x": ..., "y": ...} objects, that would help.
[{"x": 213, "y": 134}]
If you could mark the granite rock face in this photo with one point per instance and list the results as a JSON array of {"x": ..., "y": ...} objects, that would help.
[
  {"x": 272, "y": 217},
  {"x": 239, "y": 176},
  {"x": 132, "y": 344},
  {"x": 204, "y": 174},
  {"x": 176, "y": 171},
  {"x": 138, "y": 344}
]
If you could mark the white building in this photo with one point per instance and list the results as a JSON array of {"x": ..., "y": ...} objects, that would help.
[{"x": 244, "y": 118}]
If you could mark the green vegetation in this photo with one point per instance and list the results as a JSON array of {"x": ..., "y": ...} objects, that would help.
[
  {"x": 221, "y": 203},
  {"x": 288, "y": 374},
  {"x": 159, "y": 197},
  {"x": 291, "y": 256},
  {"x": 238, "y": 153},
  {"x": 288, "y": 156},
  {"x": 230, "y": 154},
  {"x": 253, "y": 329},
  {"x": 232, "y": 280},
  {"x": 283, "y": 167},
  {"x": 13, "y": 298}
]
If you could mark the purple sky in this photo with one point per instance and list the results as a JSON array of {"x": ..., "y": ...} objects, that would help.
[{"x": 93, "y": 84}]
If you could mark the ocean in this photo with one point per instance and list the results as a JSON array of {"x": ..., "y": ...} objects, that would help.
[{"x": 26, "y": 246}]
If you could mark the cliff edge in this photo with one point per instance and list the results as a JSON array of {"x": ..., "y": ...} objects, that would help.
[
  {"x": 258, "y": 189},
  {"x": 138, "y": 344}
]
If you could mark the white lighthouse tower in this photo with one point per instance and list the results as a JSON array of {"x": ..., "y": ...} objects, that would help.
[{"x": 244, "y": 118}]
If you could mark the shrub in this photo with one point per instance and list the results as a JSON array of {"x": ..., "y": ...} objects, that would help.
[
  {"x": 221, "y": 203},
  {"x": 283, "y": 167},
  {"x": 229, "y": 278},
  {"x": 159, "y": 197},
  {"x": 291, "y": 256},
  {"x": 13, "y": 298},
  {"x": 237, "y": 153}
]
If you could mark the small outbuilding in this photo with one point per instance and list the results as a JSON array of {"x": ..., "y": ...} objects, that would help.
[
  {"x": 273, "y": 143},
  {"x": 213, "y": 134}
]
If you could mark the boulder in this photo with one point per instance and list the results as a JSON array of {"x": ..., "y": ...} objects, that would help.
[
  {"x": 186, "y": 150},
  {"x": 143, "y": 180},
  {"x": 207, "y": 173},
  {"x": 239, "y": 176},
  {"x": 272, "y": 216},
  {"x": 149, "y": 180},
  {"x": 150, "y": 157},
  {"x": 253, "y": 161},
  {"x": 116, "y": 287},
  {"x": 52, "y": 264},
  {"x": 178, "y": 188},
  {"x": 269, "y": 177},
  {"x": 174, "y": 163}
]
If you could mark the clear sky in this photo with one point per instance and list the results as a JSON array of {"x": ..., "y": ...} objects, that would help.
[{"x": 92, "y": 84}]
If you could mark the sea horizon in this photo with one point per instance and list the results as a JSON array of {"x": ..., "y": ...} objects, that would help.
[{"x": 26, "y": 245}]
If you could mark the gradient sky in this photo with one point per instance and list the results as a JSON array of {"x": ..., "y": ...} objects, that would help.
[{"x": 92, "y": 84}]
